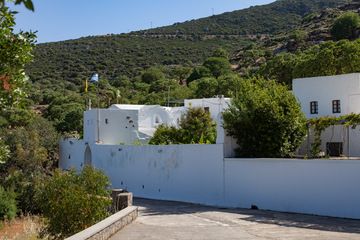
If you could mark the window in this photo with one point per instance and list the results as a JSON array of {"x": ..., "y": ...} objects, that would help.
[
  {"x": 106, "y": 121},
  {"x": 336, "y": 106},
  {"x": 314, "y": 109},
  {"x": 207, "y": 109}
]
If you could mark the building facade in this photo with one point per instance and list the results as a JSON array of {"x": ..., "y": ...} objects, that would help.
[{"x": 331, "y": 96}]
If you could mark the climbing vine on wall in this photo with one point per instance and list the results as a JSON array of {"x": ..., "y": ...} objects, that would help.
[{"x": 320, "y": 124}]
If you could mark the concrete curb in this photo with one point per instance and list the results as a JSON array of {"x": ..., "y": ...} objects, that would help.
[{"x": 109, "y": 226}]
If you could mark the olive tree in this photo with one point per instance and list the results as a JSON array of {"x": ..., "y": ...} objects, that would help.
[
  {"x": 345, "y": 26},
  {"x": 265, "y": 119}
]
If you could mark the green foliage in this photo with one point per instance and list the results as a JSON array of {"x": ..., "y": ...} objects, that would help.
[
  {"x": 209, "y": 86},
  {"x": 272, "y": 18},
  {"x": 67, "y": 64},
  {"x": 265, "y": 119},
  {"x": 196, "y": 127},
  {"x": 4, "y": 152},
  {"x": 220, "y": 53},
  {"x": 33, "y": 155},
  {"x": 67, "y": 113},
  {"x": 205, "y": 87},
  {"x": 7, "y": 204},
  {"x": 166, "y": 135},
  {"x": 322, "y": 123},
  {"x": 27, "y": 3},
  {"x": 280, "y": 67},
  {"x": 346, "y": 26},
  {"x": 218, "y": 66},
  {"x": 152, "y": 74},
  {"x": 328, "y": 58},
  {"x": 72, "y": 202},
  {"x": 15, "y": 53},
  {"x": 197, "y": 73}
]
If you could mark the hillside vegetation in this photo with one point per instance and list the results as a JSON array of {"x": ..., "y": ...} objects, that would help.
[
  {"x": 188, "y": 43},
  {"x": 160, "y": 67},
  {"x": 280, "y": 16}
]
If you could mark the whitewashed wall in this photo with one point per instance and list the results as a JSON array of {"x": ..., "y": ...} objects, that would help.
[
  {"x": 321, "y": 187},
  {"x": 190, "y": 173},
  {"x": 72, "y": 153},
  {"x": 345, "y": 88},
  {"x": 200, "y": 174}
]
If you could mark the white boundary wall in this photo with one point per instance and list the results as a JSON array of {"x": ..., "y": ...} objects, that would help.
[
  {"x": 189, "y": 173},
  {"x": 320, "y": 187},
  {"x": 200, "y": 174}
]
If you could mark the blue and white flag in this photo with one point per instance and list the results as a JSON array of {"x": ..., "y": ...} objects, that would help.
[{"x": 94, "y": 78}]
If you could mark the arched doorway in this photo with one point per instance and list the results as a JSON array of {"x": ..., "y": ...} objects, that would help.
[{"x": 87, "y": 157}]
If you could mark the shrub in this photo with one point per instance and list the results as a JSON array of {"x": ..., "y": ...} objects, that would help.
[
  {"x": 72, "y": 202},
  {"x": 7, "y": 204},
  {"x": 345, "y": 26},
  {"x": 196, "y": 127},
  {"x": 166, "y": 135},
  {"x": 266, "y": 120},
  {"x": 33, "y": 155}
]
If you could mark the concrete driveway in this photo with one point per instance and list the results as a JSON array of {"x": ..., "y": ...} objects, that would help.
[{"x": 174, "y": 220}]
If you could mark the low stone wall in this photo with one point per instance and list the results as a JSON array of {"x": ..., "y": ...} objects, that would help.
[{"x": 109, "y": 226}]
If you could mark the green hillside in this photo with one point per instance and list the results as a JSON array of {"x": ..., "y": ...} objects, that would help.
[
  {"x": 279, "y": 16},
  {"x": 70, "y": 62}
]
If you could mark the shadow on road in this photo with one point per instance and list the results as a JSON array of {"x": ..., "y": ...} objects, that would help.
[{"x": 156, "y": 207}]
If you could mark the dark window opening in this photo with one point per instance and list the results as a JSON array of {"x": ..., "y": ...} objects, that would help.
[
  {"x": 334, "y": 149},
  {"x": 207, "y": 109},
  {"x": 336, "y": 106},
  {"x": 106, "y": 121},
  {"x": 314, "y": 107}
]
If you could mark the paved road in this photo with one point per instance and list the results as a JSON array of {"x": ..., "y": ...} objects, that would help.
[{"x": 172, "y": 220}]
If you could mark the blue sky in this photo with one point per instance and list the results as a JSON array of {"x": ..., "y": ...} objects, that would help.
[{"x": 57, "y": 20}]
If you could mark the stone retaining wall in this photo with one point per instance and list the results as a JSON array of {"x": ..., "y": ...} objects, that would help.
[{"x": 109, "y": 226}]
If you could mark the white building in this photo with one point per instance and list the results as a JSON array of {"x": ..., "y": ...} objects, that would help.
[
  {"x": 131, "y": 124},
  {"x": 331, "y": 96},
  {"x": 203, "y": 174},
  {"x": 328, "y": 96}
]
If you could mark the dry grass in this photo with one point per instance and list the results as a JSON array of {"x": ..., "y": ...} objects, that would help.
[{"x": 24, "y": 228}]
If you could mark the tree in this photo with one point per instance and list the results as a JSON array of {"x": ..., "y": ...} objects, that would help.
[
  {"x": 7, "y": 204},
  {"x": 325, "y": 59},
  {"x": 218, "y": 66},
  {"x": 221, "y": 52},
  {"x": 227, "y": 84},
  {"x": 152, "y": 74},
  {"x": 166, "y": 135},
  {"x": 345, "y": 26},
  {"x": 33, "y": 155},
  {"x": 198, "y": 127},
  {"x": 265, "y": 119},
  {"x": 72, "y": 202},
  {"x": 15, "y": 53},
  {"x": 206, "y": 87},
  {"x": 27, "y": 3},
  {"x": 195, "y": 127},
  {"x": 197, "y": 73},
  {"x": 280, "y": 68}
]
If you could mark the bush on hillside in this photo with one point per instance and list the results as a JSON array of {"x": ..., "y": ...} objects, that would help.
[
  {"x": 72, "y": 202},
  {"x": 7, "y": 204},
  {"x": 346, "y": 26}
]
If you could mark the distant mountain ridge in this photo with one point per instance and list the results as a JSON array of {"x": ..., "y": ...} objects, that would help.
[
  {"x": 272, "y": 18},
  {"x": 68, "y": 63}
]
